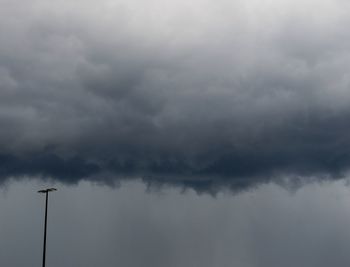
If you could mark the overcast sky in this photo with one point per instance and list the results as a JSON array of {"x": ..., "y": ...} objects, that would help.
[
  {"x": 92, "y": 225},
  {"x": 190, "y": 97}
]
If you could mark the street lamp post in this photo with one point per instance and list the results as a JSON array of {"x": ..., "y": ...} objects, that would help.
[{"x": 46, "y": 191}]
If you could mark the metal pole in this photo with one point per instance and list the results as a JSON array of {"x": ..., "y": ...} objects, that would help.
[
  {"x": 46, "y": 191},
  {"x": 45, "y": 228}
]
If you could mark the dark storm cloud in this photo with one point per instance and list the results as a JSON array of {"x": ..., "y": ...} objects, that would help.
[{"x": 227, "y": 94}]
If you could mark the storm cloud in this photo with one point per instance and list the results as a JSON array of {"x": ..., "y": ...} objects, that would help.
[{"x": 187, "y": 93}]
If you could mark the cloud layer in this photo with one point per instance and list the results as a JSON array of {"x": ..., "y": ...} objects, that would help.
[{"x": 195, "y": 93}]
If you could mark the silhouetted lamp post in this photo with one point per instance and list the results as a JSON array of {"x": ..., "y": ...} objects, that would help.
[{"x": 46, "y": 191}]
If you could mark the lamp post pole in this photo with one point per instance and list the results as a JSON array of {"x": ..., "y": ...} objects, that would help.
[{"x": 46, "y": 192}]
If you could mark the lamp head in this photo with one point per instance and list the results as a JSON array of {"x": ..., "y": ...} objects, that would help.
[{"x": 47, "y": 190}]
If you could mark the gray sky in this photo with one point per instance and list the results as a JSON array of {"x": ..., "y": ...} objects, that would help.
[
  {"x": 232, "y": 114},
  {"x": 92, "y": 225},
  {"x": 194, "y": 93}
]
